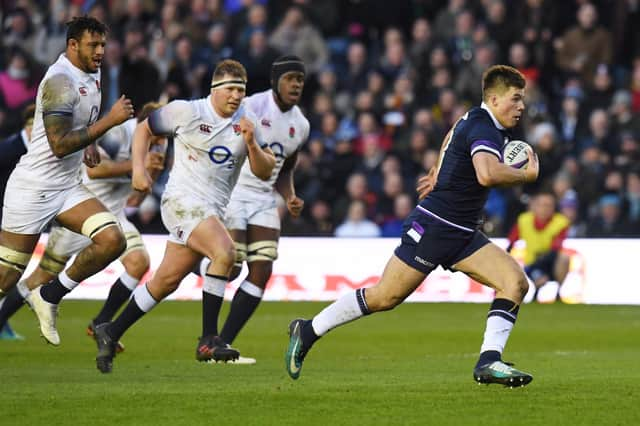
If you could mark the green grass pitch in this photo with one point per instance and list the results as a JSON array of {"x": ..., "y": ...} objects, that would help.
[{"x": 409, "y": 366}]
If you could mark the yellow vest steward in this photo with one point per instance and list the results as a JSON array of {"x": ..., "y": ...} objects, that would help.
[{"x": 539, "y": 241}]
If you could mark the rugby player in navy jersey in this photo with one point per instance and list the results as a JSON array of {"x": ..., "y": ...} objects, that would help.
[{"x": 444, "y": 230}]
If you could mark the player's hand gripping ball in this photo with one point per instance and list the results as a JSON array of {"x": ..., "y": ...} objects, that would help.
[{"x": 514, "y": 154}]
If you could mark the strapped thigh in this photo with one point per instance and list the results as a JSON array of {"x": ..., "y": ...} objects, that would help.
[
  {"x": 134, "y": 242},
  {"x": 97, "y": 223},
  {"x": 53, "y": 263},
  {"x": 266, "y": 250},
  {"x": 241, "y": 253},
  {"x": 14, "y": 259}
]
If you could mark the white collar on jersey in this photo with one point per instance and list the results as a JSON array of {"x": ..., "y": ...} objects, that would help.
[
  {"x": 493, "y": 118},
  {"x": 78, "y": 71}
]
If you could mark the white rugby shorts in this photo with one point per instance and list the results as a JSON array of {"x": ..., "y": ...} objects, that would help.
[
  {"x": 181, "y": 215},
  {"x": 29, "y": 210},
  {"x": 260, "y": 212}
]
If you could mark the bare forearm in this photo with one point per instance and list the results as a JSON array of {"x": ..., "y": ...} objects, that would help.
[
  {"x": 502, "y": 175},
  {"x": 108, "y": 168},
  {"x": 140, "y": 145},
  {"x": 261, "y": 161},
  {"x": 284, "y": 184},
  {"x": 64, "y": 141}
]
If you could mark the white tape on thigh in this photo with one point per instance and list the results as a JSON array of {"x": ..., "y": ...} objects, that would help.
[
  {"x": 262, "y": 250},
  {"x": 134, "y": 242},
  {"x": 241, "y": 253},
  {"x": 98, "y": 222},
  {"x": 13, "y": 259},
  {"x": 52, "y": 262}
]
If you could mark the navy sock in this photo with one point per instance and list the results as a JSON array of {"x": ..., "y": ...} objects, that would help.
[
  {"x": 210, "y": 311},
  {"x": 126, "y": 319},
  {"x": 53, "y": 291},
  {"x": 308, "y": 336},
  {"x": 118, "y": 294},
  {"x": 487, "y": 357},
  {"x": 13, "y": 301},
  {"x": 243, "y": 306}
]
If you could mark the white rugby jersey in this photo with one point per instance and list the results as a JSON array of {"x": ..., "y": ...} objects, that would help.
[
  {"x": 80, "y": 98},
  {"x": 116, "y": 145},
  {"x": 208, "y": 149},
  {"x": 283, "y": 132}
]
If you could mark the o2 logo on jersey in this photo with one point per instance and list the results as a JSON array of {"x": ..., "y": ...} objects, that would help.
[
  {"x": 220, "y": 154},
  {"x": 93, "y": 116},
  {"x": 278, "y": 149}
]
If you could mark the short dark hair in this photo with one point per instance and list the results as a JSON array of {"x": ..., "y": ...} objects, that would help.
[
  {"x": 79, "y": 24},
  {"x": 230, "y": 67},
  {"x": 501, "y": 78}
]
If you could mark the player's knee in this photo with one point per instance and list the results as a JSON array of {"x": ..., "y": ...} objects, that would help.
[
  {"x": 136, "y": 263},
  {"x": 266, "y": 251},
  {"x": 378, "y": 300},
  {"x": 112, "y": 240},
  {"x": 225, "y": 256}
]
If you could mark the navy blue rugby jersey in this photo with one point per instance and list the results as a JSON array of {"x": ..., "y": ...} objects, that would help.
[{"x": 458, "y": 198}]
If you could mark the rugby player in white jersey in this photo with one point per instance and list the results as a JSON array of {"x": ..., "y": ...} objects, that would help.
[
  {"x": 46, "y": 183},
  {"x": 213, "y": 137},
  {"x": 252, "y": 217},
  {"x": 110, "y": 181}
]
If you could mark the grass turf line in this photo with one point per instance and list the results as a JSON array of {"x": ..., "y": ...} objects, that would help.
[{"x": 409, "y": 366}]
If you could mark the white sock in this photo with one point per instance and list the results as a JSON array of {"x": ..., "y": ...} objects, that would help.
[
  {"x": 251, "y": 289},
  {"x": 342, "y": 311},
  {"x": 66, "y": 281},
  {"x": 129, "y": 282},
  {"x": 214, "y": 285},
  {"x": 144, "y": 299},
  {"x": 496, "y": 334}
]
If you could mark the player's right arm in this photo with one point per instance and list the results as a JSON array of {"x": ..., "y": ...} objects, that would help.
[
  {"x": 58, "y": 100},
  {"x": 490, "y": 171},
  {"x": 163, "y": 121}
]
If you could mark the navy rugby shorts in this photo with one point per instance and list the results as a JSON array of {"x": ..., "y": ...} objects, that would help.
[{"x": 428, "y": 242}]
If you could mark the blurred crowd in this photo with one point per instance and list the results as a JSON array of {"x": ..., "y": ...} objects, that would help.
[{"x": 386, "y": 80}]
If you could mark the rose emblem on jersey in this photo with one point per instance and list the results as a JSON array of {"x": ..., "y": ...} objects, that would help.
[
  {"x": 292, "y": 132},
  {"x": 236, "y": 129},
  {"x": 98, "y": 85}
]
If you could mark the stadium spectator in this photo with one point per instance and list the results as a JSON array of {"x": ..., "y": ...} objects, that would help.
[
  {"x": 295, "y": 34},
  {"x": 18, "y": 87},
  {"x": 356, "y": 224},
  {"x": 543, "y": 230},
  {"x": 585, "y": 46}
]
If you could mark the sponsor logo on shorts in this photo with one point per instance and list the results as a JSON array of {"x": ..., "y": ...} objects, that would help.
[{"x": 424, "y": 262}]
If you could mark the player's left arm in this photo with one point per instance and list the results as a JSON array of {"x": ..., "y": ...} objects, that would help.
[
  {"x": 261, "y": 160},
  {"x": 285, "y": 187},
  {"x": 490, "y": 171},
  {"x": 109, "y": 168}
]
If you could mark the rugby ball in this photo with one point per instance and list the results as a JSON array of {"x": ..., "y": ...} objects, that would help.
[{"x": 514, "y": 154}]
